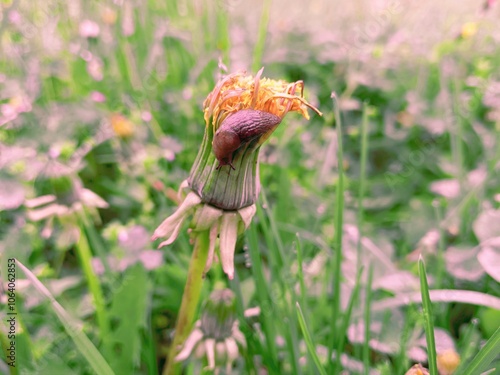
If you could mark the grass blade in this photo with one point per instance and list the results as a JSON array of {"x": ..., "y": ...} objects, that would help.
[
  {"x": 367, "y": 320},
  {"x": 307, "y": 337},
  {"x": 346, "y": 319},
  {"x": 487, "y": 354},
  {"x": 428, "y": 323},
  {"x": 85, "y": 257},
  {"x": 258, "y": 51},
  {"x": 300, "y": 271},
  {"x": 362, "y": 178},
  {"x": 82, "y": 342},
  {"x": 264, "y": 301},
  {"x": 338, "y": 223}
]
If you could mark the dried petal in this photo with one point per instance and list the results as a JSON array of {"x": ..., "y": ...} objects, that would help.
[
  {"x": 171, "y": 226},
  {"x": 40, "y": 201},
  {"x": 214, "y": 231},
  {"x": 228, "y": 237},
  {"x": 247, "y": 214},
  {"x": 205, "y": 216},
  {"x": 210, "y": 348},
  {"x": 192, "y": 340},
  {"x": 47, "y": 211}
]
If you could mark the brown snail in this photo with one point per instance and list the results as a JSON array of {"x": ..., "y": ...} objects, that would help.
[{"x": 238, "y": 128}]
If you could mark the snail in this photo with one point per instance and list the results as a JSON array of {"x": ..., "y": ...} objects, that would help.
[{"x": 239, "y": 128}]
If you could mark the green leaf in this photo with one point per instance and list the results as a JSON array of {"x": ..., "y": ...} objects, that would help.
[
  {"x": 129, "y": 311},
  {"x": 428, "y": 318},
  {"x": 82, "y": 342},
  {"x": 309, "y": 343},
  {"x": 485, "y": 356}
]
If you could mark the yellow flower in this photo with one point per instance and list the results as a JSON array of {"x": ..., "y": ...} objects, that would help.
[
  {"x": 109, "y": 15},
  {"x": 122, "y": 126},
  {"x": 238, "y": 91},
  {"x": 447, "y": 362},
  {"x": 469, "y": 29}
]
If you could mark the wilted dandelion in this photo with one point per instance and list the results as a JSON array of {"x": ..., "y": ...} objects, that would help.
[
  {"x": 223, "y": 185},
  {"x": 67, "y": 199},
  {"x": 417, "y": 369},
  {"x": 216, "y": 335},
  {"x": 220, "y": 193}
]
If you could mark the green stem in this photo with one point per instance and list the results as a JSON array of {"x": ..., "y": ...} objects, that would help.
[
  {"x": 337, "y": 245},
  {"x": 5, "y": 345},
  {"x": 190, "y": 299},
  {"x": 428, "y": 318},
  {"x": 258, "y": 51},
  {"x": 85, "y": 257}
]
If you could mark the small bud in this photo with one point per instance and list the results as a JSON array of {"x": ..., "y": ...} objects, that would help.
[
  {"x": 216, "y": 336},
  {"x": 417, "y": 369},
  {"x": 219, "y": 314}
]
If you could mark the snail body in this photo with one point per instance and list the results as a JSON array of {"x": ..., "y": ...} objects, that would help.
[{"x": 239, "y": 128}]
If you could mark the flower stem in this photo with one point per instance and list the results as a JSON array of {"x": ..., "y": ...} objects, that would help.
[
  {"x": 190, "y": 299},
  {"x": 85, "y": 257}
]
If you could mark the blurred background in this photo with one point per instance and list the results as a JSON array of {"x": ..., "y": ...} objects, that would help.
[{"x": 100, "y": 121}]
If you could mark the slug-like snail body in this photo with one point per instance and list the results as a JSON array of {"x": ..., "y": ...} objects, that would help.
[{"x": 238, "y": 128}]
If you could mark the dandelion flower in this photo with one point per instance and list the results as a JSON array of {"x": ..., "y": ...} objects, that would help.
[{"x": 220, "y": 193}]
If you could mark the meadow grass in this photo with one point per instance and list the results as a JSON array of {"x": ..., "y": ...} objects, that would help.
[{"x": 403, "y": 162}]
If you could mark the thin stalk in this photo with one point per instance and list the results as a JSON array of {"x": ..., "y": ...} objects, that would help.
[
  {"x": 96, "y": 244},
  {"x": 311, "y": 348},
  {"x": 270, "y": 354},
  {"x": 85, "y": 257},
  {"x": 300, "y": 272},
  {"x": 337, "y": 246},
  {"x": 5, "y": 343},
  {"x": 362, "y": 180},
  {"x": 299, "y": 297},
  {"x": 362, "y": 189},
  {"x": 428, "y": 318},
  {"x": 190, "y": 299},
  {"x": 441, "y": 267},
  {"x": 458, "y": 135},
  {"x": 486, "y": 355},
  {"x": 258, "y": 51},
  {"x": 468, "y": 343},
  {"x": 247, "y": 354},
  {"x": 85, "y": 347},
  {"x": 367, "y": 319},
  {"x": 347, "y": 316}
]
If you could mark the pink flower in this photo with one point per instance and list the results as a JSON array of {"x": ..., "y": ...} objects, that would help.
[
  {"x": 89, "y": 29},
  {"x": 97, "y": 97}
]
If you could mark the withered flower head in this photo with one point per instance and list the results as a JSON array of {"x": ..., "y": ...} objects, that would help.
[
  {"x": 240, "y": 114},
  {"x": 216, "y": 336},
  {"x": 417, "y": 369}
]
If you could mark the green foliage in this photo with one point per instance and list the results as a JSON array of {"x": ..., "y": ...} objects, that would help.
[
  {"x": 331, "y": 258},
  {"x": 129, "y": 311}
]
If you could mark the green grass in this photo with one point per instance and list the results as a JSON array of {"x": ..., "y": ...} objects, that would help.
[
  {"x": 485, "y": 356},
  {"x": 346, "y": 200},
  {"x": 85, "y": 347},
  {"x": 335, "y": 334},
  {"x": 428, "y": 318}
]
